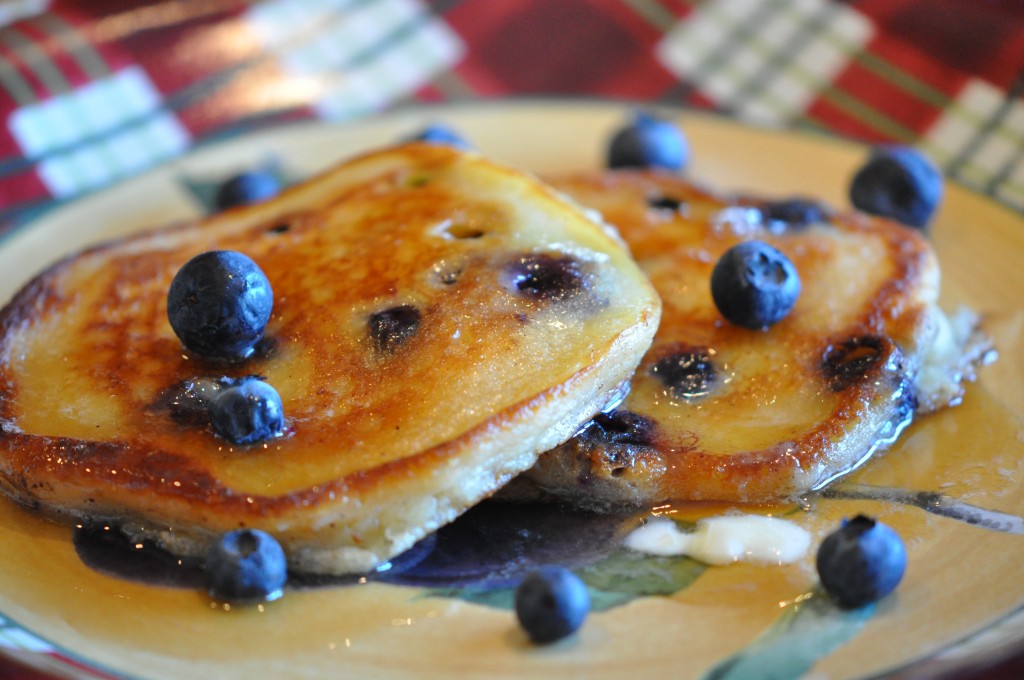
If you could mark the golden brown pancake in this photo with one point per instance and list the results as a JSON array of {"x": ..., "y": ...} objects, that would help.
[
  {"x": 529, "y": 317},
  {"x": 720, "y": 412}
]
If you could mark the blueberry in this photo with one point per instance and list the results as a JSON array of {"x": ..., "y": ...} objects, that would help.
[
  {"x": 622, "y": 427},
  {"x": 754, "y": 285},
  {"x": 649, "y": 142},
  {"x": 861, "y": 563},
  {"x": 898, "y": 182},
  {"x": 391, "y": 328},
  {"x": 246, "y": 188},
  {"x": 665, "y": 203},
  {"x": 188, "y": 401},
  {"x": 546, "y": 277},
  {"x": 247, "y": 411},
  {"x": 219, "y": 303},
  {"x": 687, "y": 375},
  {"x": 845, "y": 363},
  {"x": 246, "y": 565},
  {"x": 551, "y": 604},
  {"x": 794, "y": 212},
  {"x": 441, "y": 134}
]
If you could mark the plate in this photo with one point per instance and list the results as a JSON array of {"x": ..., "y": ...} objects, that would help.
[{"x": 955, "y": 477}]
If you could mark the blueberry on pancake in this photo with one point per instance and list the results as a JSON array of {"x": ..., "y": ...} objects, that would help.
[
  {"x": 795, "y": 343},
  {"x": 438, "y": 322}
]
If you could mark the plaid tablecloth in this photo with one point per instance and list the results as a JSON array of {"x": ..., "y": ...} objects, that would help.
[
  {"x": 94, "y": 91},
  {"x": 97, "y": 90}
]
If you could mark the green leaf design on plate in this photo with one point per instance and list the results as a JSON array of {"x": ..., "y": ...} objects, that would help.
[
  {"x": 498, "y": 598},
  {"x": 204, "y": 192},
  {"x": 626, "y": 575},
  {"x": 619, "y": 578},
  {"x": 806, "y": 631}
]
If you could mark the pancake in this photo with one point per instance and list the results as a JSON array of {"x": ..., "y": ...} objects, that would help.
[
  {"x": 717, "y": 412},
  {"x": 510, "y": 316}
]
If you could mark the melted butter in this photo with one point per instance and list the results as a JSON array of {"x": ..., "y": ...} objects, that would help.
[{"x": 725, "y": 540}]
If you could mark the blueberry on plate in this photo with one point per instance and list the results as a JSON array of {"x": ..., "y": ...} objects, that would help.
[
  {"x": 248, "y": 187},
  {"x": 246, "y": 565},
  {"x": 754, "y": 285},
  {"x": 219, "y": 304},
  {"x": 441, "y": 134},
  {"x": 900, "y": 183},
  {"x": 649, "y": 142},
  {"x": 551, "y": 604},
  {"x": 247, "y": 411},
  {"x": 861, "y": 562}
]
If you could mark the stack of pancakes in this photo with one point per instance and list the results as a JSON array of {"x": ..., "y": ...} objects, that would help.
[{"x": 538, "y": 327}]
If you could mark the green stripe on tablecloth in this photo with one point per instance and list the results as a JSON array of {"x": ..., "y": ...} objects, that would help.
[
  {"x": 44, "y": 69},
  {"x": 92, "y": 65},
  {"x": 907, "y": 82},
  {"x": 1002, "y": 176},
  {"x": 833, "y": 95},
  {"x": 823, "y": 90},
  {"x": 15, "y": 84},
  {"x": 35, "y": 59},
  {"x": 83, "y": 53},
  {"x": 717, "y": 58},
  {"x": 402, "y": 37},
  {"x": 809, "y": 26},
  {"x": 926, "y": 93},
  {"x": 653, "y": 13},
  {"x": 399, "y": 34},
  {"x": 873, "y": 118},
  {"x": 54, "y": 80},
  {"x": 736, "y": 33},
  {"x": 993, "y": 127},
  {"x": 957, "y": 163},
  {"x": 849, "y": 104},
  {"x": 177, "y": 101},
  {"x": 404, "y": 34}
]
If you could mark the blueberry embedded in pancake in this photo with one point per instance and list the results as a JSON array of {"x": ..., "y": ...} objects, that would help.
[
  {"x": 438, "y": 322},
  {"x": 720, "y": 411}
]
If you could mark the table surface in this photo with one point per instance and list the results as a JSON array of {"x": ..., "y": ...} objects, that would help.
[{"x": 96, "y": 91}]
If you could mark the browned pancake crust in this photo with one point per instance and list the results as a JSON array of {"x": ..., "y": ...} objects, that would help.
[
  {"x": 790, "y": 408},
  {"x": 384, "y": 442}
]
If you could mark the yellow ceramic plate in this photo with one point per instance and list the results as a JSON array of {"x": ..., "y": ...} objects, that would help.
[{"x": 962, "y": 580}]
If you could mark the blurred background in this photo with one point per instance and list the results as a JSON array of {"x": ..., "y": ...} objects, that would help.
[{"x": 97, "y": 90}]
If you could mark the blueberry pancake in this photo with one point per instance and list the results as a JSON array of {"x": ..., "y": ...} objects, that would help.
[
  {"x": 438, "y": 321},
  {"x": 718, "y": 411}
]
